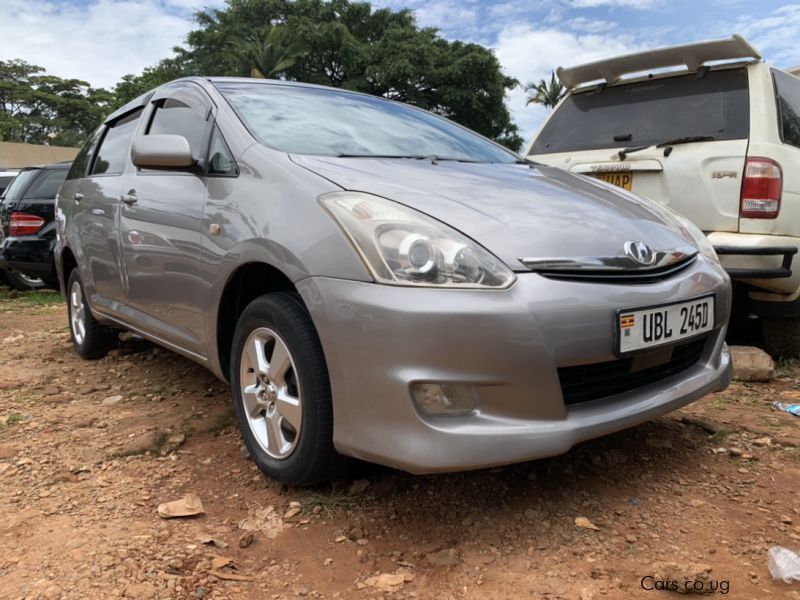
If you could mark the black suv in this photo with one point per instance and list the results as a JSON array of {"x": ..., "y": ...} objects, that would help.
[{"x": 27, "y": 226}]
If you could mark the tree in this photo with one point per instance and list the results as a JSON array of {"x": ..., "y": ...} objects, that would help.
[
  {"x": 266, "y": 52},
  {"x": 546, "y": 93},
  {"x": 349, "y": 44},
  {"x": 39, "y": 108}
]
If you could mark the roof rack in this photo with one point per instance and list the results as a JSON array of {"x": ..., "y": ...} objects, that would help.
[{"x": 693, "y": 56}]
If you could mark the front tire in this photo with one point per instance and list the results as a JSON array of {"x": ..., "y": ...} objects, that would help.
[
  {"x": 281, "y": 391},
  {"x": 782, "y": 336},
  {"x": 90, "y": 339}
]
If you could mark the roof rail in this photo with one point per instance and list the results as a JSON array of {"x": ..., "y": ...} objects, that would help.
[{"x": 692, "y": 55}]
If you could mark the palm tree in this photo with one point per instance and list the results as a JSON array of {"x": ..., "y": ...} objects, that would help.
[
  {"x": 546, "y": 93},
  {"x": 266, "y": 53}
]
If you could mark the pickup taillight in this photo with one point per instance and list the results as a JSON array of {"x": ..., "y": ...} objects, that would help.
[
  {"x": 761, "y": 189},
  {"x": 24, "y": 224}
]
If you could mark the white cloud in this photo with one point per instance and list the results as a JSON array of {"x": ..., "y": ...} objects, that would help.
[
  {"x": 530, "y": 54},
  {"x": 775, "y": 35},
  {"x": 99, "y": 41},
  {"x": 642, "y": 4}
]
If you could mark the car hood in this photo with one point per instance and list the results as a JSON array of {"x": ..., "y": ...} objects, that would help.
[{"x": 513, "y": 210}]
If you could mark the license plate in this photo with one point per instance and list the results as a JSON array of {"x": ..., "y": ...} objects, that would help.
[
  {"x": 623, "y": 180},
  {"x": 638, "y": 329}
]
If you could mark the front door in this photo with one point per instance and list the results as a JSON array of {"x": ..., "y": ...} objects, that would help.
[{"x": 161, "y": 216}]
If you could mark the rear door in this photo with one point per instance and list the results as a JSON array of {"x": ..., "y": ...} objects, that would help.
[
  {"x": 96, "y": 200},
  {"x": 700, "y": 179}
]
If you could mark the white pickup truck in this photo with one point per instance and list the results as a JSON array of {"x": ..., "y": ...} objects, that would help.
[{"x": 712, "y": 132}]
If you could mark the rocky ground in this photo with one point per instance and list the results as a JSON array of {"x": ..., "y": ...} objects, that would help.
[{"x": 88, "y": 451}]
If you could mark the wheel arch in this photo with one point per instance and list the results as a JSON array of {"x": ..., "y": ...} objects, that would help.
[
  {"x": 245, "y": 284},
  {"x": 67, "y": 263}
]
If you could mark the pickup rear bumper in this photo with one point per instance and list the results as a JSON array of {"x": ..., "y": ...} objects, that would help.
[{"x": 783, "y": 271}]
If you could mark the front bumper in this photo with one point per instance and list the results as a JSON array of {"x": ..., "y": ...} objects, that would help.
[{"x": 380, "y": 339}]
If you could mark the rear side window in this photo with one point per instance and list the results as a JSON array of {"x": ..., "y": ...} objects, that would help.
[
  {"x": 112, "y": 156},
  {"x": 787, "y": 89},
  {"x": 650, "y": 112},
  {"x": 46, "y": 184},
  {"x": 81, "y": 162}
]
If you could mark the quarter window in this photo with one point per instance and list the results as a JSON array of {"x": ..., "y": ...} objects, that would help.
[
  {"x": 114, "y": 150},
  {"x": 220, "y": 159},
  {"x": 788, "y": 96}
]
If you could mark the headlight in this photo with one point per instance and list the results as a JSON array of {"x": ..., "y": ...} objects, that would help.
[
  {"x": 401, "y": 246},
  {"x": 703, "y": 245}
]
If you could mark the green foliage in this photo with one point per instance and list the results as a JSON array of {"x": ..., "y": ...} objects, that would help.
[
  {"x": 547, "y": 93},
  {"x": 38, "y": 108},
  {"x": 266, "y": 51},
  {"x": 345, "y": 44},
  {"x": 132, "y": 86}
]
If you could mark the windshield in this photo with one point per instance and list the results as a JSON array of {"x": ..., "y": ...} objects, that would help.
[
  {"x": 304, "y": 120},
  {"x": 651, "y": 112}
]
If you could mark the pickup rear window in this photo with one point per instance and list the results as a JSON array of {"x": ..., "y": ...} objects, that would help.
[{"x": 650, "y": 112}]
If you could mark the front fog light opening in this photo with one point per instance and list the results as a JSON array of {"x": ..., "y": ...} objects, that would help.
[{"x": 444, "y": 398}]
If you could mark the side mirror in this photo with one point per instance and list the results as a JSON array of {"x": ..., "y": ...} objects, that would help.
[{"x": 161, "y": 151}]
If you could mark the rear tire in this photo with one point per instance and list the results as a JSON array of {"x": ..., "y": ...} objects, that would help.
[
  {"x": 21, "y": 282},
  {"x": 281, "y": 391},
  {"x": 782, "y": 336},
  {"x": 90, "y": 339}
]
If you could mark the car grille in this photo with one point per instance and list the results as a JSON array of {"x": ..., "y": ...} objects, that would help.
[
  {"x": 601, "y": 380},
  {"x": 618, "y": 277}
]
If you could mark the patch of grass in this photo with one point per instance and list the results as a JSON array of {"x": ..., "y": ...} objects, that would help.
[
  {"x": 33, "y": 298},
  {"x": 719, "y": 436},
  {"x": 633, "y": 549},
  {"x": 11, "y": 420},
  {"x": 792, "y": 452},
  {"x": 330, "y": 502},
  {"x": 720, "y": 403}
]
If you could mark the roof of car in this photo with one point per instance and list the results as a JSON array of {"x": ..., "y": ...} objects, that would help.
[
  {"x": 64, "y": 164},
  {"x": 692, "y": 56}
]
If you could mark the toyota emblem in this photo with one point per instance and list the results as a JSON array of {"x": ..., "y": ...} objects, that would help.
[{"x": 640, "y": 252}]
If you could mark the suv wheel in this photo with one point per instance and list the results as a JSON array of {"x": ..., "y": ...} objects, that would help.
[
  {"x": 282, "y": 393},
  {"x": 90, "y": 339},
  {"x": 21, "y": 282},
  {"x": 782, "y": 336}
]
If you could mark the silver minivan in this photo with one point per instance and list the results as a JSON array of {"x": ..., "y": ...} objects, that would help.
[{"x": 378, "y": 282}]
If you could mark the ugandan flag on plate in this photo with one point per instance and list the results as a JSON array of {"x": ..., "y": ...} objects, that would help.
[{"x": 626, "y": 322}]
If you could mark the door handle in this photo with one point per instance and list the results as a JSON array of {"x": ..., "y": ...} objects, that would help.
[
  {"x": 129, "y": 199},
  {"x": 77, "y": 196}
]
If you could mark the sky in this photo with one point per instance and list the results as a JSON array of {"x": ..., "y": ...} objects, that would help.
[{"x": 99, "y": 41}]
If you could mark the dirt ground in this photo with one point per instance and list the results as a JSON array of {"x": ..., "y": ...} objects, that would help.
[{"x": 88, "y": 450}]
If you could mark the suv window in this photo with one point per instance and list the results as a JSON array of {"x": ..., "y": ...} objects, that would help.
[
  {"x": 18, "y": 186},
  {"x": 115, "y": 148},
  {"x": 650, "y": 112},
  {"x": 220, "y": 159},
  {"x": 81, "y": 162},
  {"x": 47, "y": 184},
  {"x": 787, "y": 89},
  {"x": 185, "y": 112}
]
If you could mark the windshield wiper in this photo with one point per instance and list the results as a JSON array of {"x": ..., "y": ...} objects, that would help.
[
  {"x": 667, "y": 145},
  {"x": 434, "y": 158}
]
